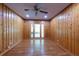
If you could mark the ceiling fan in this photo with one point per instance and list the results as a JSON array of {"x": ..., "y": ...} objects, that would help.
[{"x": 37, "y": 9}]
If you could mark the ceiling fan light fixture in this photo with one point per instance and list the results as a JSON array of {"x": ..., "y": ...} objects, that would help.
[
  {"x": 45, "y": 16},
  {"x": 27, "y": 16}
]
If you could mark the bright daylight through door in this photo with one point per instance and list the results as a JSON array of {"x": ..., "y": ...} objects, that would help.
[{"x": 37, "y": 30}]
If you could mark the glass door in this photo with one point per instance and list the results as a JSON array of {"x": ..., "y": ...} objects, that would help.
[{"x": 37, "y": 30}]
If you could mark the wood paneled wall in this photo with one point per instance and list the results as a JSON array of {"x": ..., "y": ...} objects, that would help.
[
  {"x": 11, "y": 28},
  {"x": 27, "y": 28},
  {"x": 64, "y": 29},
  {"x": 26, "y": 32}
]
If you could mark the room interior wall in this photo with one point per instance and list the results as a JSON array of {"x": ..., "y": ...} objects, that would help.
[
  {"x": 64, "y": 29},
  {"x": 11, "y": 29},
  {"x": 27, "y": 29}
]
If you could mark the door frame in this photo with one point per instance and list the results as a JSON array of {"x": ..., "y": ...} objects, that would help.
[{"x": 34, "y": 30}]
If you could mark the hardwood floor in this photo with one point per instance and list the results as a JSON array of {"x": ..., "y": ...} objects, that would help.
[{"x": 37, "y": 47}]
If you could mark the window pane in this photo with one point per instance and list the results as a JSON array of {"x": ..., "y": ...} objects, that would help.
[
  {"x": 42, "y": 30},
  {"x": 31, "y": 30},
  {"x": 37, "y": 30}
]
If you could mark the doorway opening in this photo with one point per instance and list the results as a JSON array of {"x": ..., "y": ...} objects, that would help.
[{"x": 37, "y": 30}]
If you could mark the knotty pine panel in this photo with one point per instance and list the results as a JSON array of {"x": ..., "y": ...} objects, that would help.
[
  {"x": 64, "y": 29},
  {"x": 11, "y": 28},
  {"x": 4, "y": 28},
  {"x": 1, "y": 28}
]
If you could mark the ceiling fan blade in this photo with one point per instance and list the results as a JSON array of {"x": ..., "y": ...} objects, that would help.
[
  {"x": 43, "y": 11},
  {"x": 26, "y": 9}
]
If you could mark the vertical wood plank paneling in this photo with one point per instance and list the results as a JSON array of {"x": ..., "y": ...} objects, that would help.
[
  {"x": 7, "y": 26},
  {"x": 4, "y": 28},
  {"x": 66, "y": 27},
  {"x": 11, "y": 28},
  {"x": 0, "y": 28}
]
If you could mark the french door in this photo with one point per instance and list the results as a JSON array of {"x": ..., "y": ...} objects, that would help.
[{"x": 37, "y": 30}]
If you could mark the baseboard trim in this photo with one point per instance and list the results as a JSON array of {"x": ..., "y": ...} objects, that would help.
[{"x": 9, "y": 48}]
